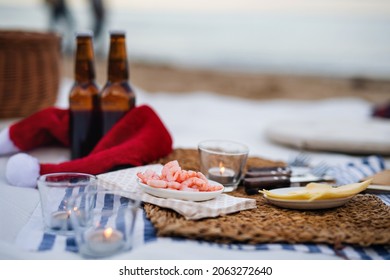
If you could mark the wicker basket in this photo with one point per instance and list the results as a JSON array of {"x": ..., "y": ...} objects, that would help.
[{"x": 29, "y": 72}]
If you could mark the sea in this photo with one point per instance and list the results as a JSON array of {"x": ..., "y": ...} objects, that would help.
[{"x": 303, "y": 43}]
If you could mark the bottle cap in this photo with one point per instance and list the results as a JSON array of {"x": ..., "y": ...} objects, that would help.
[
  {"x": 86, "y": 33},
  {"x": 117, "y": 33}
]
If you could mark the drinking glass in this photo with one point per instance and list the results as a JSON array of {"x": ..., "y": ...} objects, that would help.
[
  {"x": 55, "y": 190},
  {"x": 223, "y": 161}
]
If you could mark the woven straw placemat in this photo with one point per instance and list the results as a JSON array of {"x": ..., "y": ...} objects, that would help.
[{"x": 364, "y": 220}]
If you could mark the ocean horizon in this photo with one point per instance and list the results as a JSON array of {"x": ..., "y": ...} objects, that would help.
[{"x": 340, "y": 45}]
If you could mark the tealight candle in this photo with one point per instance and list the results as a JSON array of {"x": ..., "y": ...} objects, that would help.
[
  {"x": 105, "y": 241},
  {"x": 221, "y": 174},
  {"x": 60, "y": 220}
]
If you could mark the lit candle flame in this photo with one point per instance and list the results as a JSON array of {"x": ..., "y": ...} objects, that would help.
[
  {"x": 221, "y": 168},
  {"x": 107, "y": 233}
]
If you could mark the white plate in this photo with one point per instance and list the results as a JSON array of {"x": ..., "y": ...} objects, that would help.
[
  {"x": 368, "y": 136},
  {"x": 304, "y": 204},
  {"x": 183, "y": 195}
]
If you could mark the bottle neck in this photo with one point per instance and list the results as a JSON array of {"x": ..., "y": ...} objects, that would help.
[
  {"x": 118, "y": 69},
  {"x": 84, "y": 66}
]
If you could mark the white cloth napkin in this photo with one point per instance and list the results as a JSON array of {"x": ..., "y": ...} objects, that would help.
[{"x": 126, "y": 180}]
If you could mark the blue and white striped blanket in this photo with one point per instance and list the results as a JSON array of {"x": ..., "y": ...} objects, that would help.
[{"x": 33, "y": 238}]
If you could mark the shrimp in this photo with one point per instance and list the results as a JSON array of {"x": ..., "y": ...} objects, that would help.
[
  {"x": 213, "y": 188},
  {"x": 161, "y": 184},
  {"x": 148, "y": 175},
  {"x": 174, "y": 185},
  {"x": 201, "y": 176},
  {"x": 194, "y": 182},
  {"x": 183, "y": 175},
  {"x": 192, "y": 173},
  {"x": 143, "y": 177},
  {"x": 151, "y": 174},
  {"x": 171, "y": 171},
  {"x": 174, "y": 178}
]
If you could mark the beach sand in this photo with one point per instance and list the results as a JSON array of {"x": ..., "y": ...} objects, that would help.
[{"x": 156, "y": 78}]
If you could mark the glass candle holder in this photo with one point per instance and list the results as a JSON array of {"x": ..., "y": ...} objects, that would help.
[
  {"x": 103, "y": 222},
  {"x": 55, "y": 190},
  {"x": 223, "y": 161}
]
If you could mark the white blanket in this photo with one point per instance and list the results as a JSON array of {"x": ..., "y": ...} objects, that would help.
[{"x": 191, "y": 118}]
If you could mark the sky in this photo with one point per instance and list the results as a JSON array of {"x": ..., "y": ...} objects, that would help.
[{"x": 315, "y": 6}]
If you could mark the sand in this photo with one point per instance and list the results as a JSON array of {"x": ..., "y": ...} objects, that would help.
[{"x": 156, "y": 78}]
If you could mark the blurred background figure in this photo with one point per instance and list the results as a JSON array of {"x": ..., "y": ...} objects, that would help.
[
  {"x": 62, "y": 22},
  {"x": 98, "y": 23},
  {"x": 99, "y": 17}
]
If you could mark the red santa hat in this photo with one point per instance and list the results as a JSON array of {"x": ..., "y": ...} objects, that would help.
[{"x": 137, "y": 139}]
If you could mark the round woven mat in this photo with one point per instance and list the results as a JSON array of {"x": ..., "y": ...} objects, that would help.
[{"x": 364, "y": 220}]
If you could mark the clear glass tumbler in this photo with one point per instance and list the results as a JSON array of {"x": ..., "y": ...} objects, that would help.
[
  {"x": 103, "y": 222},
  {"x": 55, "y": 190},
  {"x": 223, "y": 161}
]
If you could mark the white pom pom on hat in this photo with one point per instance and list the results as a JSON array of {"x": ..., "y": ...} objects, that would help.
[{"x": 22, "y": 170}]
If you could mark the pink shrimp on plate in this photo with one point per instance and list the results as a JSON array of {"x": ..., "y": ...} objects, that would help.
[
  {"x": 148, "y": 175},
  {"x": 171, "y": 171},
  {"x": 174, "y": 178},
  {"x": 195, "y": 182},
  {"x": 183, "y": 175},
  {"x": 161, "y": 184},
  {"x": 174, "y": 185}
]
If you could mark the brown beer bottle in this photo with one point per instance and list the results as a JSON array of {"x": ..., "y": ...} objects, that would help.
[
  {"x": 85, "y": 129},
  {"x": 117, "y": 96}
]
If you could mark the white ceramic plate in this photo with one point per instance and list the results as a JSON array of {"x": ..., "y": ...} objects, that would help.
[
  {"x": 305, "y": 204},
  {"x": 183, "y": 195},
  {"x": 368, "y": 136}
]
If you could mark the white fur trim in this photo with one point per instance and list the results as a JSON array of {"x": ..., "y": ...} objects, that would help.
[
  {"x": 22, "y": 170},
  {"x": 6, "y": 145}
]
